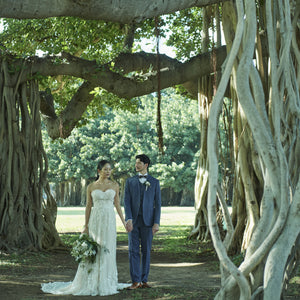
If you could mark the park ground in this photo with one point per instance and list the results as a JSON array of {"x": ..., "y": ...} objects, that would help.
[{"x": 180, "y": 268}]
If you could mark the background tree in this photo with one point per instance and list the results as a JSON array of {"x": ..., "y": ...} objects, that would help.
[{"x": 118, "y": 136}]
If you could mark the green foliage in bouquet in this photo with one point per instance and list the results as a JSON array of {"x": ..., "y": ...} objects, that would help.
[{"x": 85, "y": 249}]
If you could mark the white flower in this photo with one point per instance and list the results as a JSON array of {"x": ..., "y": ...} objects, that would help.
[
  {"x": 147, "y": 184},
  {"x": 84, "y": 249}
]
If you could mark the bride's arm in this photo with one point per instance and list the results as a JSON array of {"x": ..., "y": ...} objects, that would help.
[
  {"x": 89, "y": 204},
  {"x": 118, "y": 205}
]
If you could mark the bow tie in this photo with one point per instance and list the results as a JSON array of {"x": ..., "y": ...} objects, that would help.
[{"x": 142, "y": 176}]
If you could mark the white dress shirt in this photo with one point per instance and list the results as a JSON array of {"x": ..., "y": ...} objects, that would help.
[{"x": 143, "y": 180}]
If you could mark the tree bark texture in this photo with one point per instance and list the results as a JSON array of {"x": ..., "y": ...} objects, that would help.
[
  {"x": 51, "y": 239},
  {"x": 201, "y": 230},
  {"x": 248, "y": 183},
  {"x": 267, "y": 136},
  {"x": 121, "y": 11},
  {"x": 23, "y": 165}
]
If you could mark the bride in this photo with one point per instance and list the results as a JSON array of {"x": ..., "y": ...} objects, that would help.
[{"x": 100, "y": 277}]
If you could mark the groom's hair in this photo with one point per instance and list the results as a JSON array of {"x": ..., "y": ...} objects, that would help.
[{"x": 144, "y": 158}]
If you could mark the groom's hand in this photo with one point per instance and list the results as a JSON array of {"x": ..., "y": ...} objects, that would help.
[
  {"x": 129, "y": 226},
  {"x": 155, "y": 228}
]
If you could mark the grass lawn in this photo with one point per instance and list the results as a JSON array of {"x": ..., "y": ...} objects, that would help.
[
  {"x": 171, "y": 241},
  {"x": 181, "y": 268},
  {"x": 175, "y": 226},
  {"x": 71, "y": 219}
]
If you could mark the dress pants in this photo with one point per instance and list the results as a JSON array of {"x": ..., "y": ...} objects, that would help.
[{"x": 140, "y": 238}]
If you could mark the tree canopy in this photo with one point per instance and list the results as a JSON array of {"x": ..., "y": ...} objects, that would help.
[
  {"x": 80, "y": 68},
  {"x": 119, "y": 135}
]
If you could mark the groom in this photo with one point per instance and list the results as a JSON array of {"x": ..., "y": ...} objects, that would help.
[{"x": 142, "y": 201}]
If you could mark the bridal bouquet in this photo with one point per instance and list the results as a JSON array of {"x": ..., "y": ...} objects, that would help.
[{"x": 85, "y": 249}]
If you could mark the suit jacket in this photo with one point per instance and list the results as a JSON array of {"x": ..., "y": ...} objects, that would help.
[{"x": 151, "y": 201}]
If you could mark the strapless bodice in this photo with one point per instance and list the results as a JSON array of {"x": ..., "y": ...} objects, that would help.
[{"x": 99, "y": 195}]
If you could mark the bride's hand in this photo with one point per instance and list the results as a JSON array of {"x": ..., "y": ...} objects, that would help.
[
  {"x": 124, "y": 224},
  {"x": 129, "y": 226}
]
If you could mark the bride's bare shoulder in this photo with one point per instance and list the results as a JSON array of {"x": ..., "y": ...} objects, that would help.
[
  {"x": 91, "y": 186},
  {"x": 115, "y": 184}
]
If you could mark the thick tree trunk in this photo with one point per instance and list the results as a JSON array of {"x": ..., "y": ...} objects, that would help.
[
  {"x": 248, "y": 184},
  {"x": 270, "y": 134},
  {"x": 23, "y": 166},
  {"x": 51, "y": 239},
  {"x": 200, "y": 230}
]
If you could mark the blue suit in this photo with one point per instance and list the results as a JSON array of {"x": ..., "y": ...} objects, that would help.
[{"x": 143, "y": 206}]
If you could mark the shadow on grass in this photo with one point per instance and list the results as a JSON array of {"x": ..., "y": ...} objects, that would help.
[{"x": 181, "y": 269}]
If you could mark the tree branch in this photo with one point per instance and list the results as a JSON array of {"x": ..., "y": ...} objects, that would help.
[
  {"x": 172, "y": 71},
  {"x": 63, "y": 125},
  {"x": 125, "y": 11}
]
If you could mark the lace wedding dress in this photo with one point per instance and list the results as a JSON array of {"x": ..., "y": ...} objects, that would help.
[{"x": 100, "y": 277}]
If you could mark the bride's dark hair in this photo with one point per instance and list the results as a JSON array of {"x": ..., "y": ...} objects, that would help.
[{"x": 100, "y": 166}]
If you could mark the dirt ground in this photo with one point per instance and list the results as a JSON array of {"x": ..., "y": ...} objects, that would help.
[{"x": 170, "y": 278}]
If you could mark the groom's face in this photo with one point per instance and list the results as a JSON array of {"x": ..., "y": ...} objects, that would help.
[{"x": 140, "y": 166}]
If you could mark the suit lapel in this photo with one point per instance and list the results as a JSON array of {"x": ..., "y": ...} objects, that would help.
[{"x": 137, "y": 185}]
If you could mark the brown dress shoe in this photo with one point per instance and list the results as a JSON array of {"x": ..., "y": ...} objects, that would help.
[
  {"x": 145, "y": 285},
  {"x": 134, "y": 286}
]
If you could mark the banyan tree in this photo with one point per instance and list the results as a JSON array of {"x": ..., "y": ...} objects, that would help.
[{"x": 256, "y": 71}]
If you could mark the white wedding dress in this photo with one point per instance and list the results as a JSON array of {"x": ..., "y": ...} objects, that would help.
[{"x": 100, "y": 277}]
